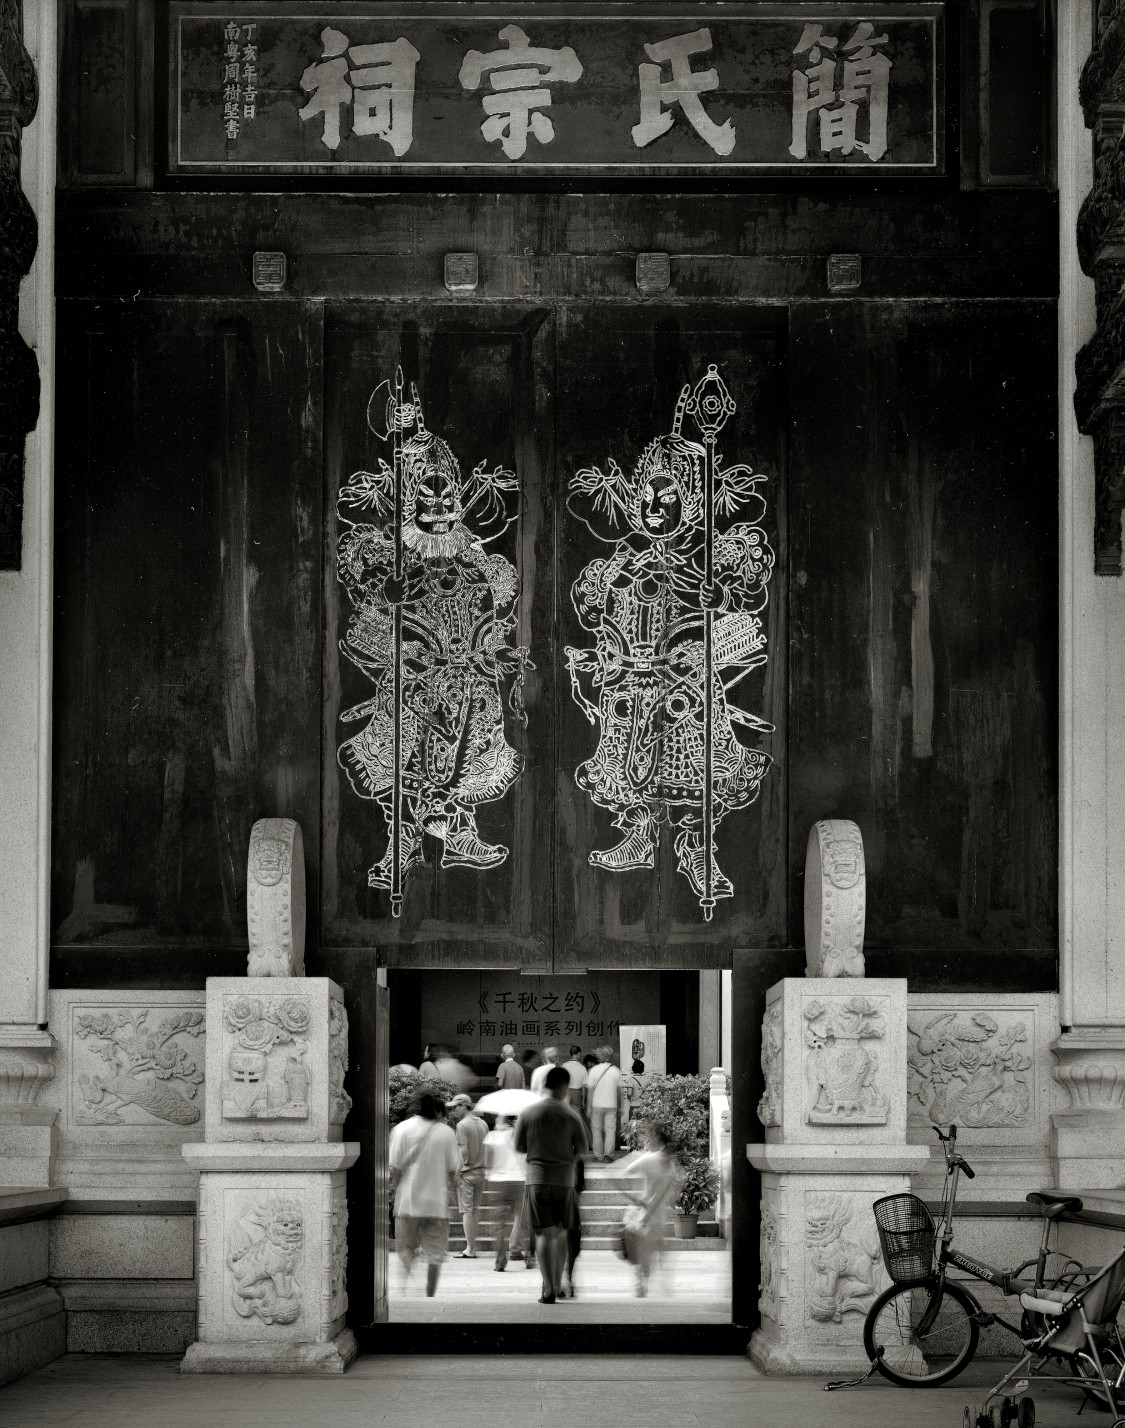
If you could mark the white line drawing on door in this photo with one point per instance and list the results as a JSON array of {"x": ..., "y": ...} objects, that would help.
[
  {"x": 432, "y": 617},
  {"x": 676, "y": 611}
]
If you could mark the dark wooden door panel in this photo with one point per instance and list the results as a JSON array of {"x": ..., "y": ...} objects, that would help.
[
  {"x": 187, "y": 652},
  {"x": 476, "y": 728},
  {"x": 630, "y": 772},
  {"x": 924, "y": 620}
]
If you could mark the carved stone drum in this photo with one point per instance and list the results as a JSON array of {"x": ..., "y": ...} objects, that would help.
[{"x": 835, "y": 899}]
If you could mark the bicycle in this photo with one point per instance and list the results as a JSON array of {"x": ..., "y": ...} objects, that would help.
[{"x": 924, "y": 1329}]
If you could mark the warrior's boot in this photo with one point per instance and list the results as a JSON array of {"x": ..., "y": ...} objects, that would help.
[
  {"x": 634, "y": 851},
  {"x": 410, "y": 854},
  {"x": 464, "y": 847},
  {"x": 690, "y": 856}
]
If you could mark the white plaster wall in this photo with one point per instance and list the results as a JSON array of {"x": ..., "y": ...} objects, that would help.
[{"x": 25, "y": 597}]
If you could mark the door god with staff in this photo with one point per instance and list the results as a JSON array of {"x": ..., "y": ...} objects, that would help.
[
  {"x": 676, "y": 610},
  {"x": 433, "y": 617}
]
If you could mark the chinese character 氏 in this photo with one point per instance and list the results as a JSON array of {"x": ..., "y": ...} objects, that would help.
[
  {"x": 377, "y": 81},
  {"x": 517, "y": 74},
  {"x": 865, "y": 78},
  {"x": 684, "y": 89}
]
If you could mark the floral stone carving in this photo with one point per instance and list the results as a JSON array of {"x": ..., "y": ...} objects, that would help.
[
  {"x": 265, "y": 1250},
  {"x": 338, "y": 1269},
  {"x": 769, "y": 1106},
  {"x": 340, "y": 1103},
  {"x": 843, "y": 1270},
  {"x": 150, "y": 1067},
  {"x": 969, "y": 1069},
  {"x": 275, "y": 899},
  {"x": 767, "y": 1255},
  {"x": 841, "y": 1071},
  {"x": 267, "y": 1071},
  {"x": 835, "y": 899}
]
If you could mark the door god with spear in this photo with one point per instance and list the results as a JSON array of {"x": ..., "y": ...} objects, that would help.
[
  {"x": 676, "y": 611},
  {"x": 433, "y": 614}
]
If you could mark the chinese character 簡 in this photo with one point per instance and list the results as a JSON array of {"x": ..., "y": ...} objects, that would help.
[
  {"x": 684, "y": 89},
  {"x": 378, "y": 85},
  {"x": 865, "y": 78},
  {"x": 516, "y": 74}
]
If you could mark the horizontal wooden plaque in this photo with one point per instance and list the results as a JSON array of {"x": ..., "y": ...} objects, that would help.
[{"x": 347, "y": 88}]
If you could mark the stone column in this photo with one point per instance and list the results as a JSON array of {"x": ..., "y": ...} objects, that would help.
[
  {"x": 28, "y": 65},
  {"x": 273, "y": 1217},
  {"x": 1089, "y": 1135}
]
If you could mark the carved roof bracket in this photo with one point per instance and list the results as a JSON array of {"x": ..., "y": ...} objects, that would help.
[{"x": 19, "y": 371}]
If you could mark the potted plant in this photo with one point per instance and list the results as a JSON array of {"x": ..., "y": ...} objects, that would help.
[{"x": 698, "y": 1187}]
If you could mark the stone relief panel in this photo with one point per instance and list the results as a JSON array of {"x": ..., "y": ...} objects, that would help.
[
  {"x": 842, "y": 1068},
  {"x": 835, "y": 899},
  {"x": 267, "y": 1058},
  {"x": 843, "y": 1262},
  {"x": 338, "y": 1261},
  {"x": 275, "y": 899},
  {"x": 150, "y": 1069},
  {"x": 769, "y": 1106},
  {"x": 340, "y": 1103},
  {"x": 770, "y": 1269},
  {"x": 972, "y": 1068},
  {"x": 265, "y": 1253}
]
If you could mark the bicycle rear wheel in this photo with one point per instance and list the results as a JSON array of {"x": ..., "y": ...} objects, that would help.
[{"x": 914, "y": 1358}]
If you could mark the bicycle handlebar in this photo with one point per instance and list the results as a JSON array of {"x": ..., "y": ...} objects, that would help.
[{"x": 949, "y": 1144}]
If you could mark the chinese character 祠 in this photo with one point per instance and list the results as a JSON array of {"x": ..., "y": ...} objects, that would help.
[
  {"x": 676, "y": 614},
  {"x": 433, "y": 612},
  {"x": 684, "y": 89},
  {"x": 517, "y": 75},
  {"x": 379, "y": 86},
  {"x": 865, "y": 78}
]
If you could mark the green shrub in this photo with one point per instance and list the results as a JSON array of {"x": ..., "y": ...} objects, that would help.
[
  {"x": 683, "y": 1105},
  {"x": 698, "y": 1187},
  {"x": 407, "y": 1085}
]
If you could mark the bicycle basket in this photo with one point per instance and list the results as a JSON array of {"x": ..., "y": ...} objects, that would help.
[{"x": 907, "y": 1235}]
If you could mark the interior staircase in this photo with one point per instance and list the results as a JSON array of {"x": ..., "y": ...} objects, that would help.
[{"x": 601, "y": 1207}]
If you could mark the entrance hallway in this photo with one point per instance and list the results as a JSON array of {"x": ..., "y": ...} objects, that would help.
[{"x": 532, "y": 1391}]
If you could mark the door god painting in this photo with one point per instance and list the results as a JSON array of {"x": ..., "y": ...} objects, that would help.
[
  {"x": 432, "y": 624},
  {"x": 676, "y": 611}
]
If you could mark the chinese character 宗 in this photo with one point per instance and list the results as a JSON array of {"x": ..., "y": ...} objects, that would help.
[
  {"x": 517, "y": 75},
  {"x": 684, "y": 89},
  {"x": 376, "y": 81},
  {"x": 864, "y": 80}
]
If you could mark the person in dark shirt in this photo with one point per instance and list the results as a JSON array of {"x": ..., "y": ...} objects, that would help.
[
  {"x": 509, "y": 1074},
  {"x": 552, "y": 1137}
]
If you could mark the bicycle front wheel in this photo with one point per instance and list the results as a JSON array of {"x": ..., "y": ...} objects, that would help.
[{"x": 920, "y": 1349}]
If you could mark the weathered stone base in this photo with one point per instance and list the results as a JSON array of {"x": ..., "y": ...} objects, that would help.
[
  {"x": 329, "y": 1358},
  {"x": 32, "y": 1330},
  {"x": 770, "y": 1356}
]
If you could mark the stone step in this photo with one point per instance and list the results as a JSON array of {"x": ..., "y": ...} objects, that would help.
[{"x": 486, "y": 1244}]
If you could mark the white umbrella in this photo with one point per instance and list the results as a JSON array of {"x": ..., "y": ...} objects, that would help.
[{"x": 509, "y": 1102}]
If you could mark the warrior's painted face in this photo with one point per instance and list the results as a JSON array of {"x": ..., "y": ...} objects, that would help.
[
  {"x": 662, "y": 506},
  {"x": 436, "y": 505}
]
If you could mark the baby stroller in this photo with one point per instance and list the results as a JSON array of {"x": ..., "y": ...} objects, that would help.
[{"x": 1070, "y": 1336}]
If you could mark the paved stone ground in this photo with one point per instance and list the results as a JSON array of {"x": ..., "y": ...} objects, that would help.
[
  {"x": 91, "y": 1391},
  {"x": 685, "y": 1288}
]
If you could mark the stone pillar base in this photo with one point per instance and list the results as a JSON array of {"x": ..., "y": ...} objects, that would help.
[
  {"x": 326, "y": 1358},
  {"x": 770, "y": 1356}
]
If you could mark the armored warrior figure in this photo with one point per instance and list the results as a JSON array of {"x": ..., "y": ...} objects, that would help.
[
  {"x": 674, "y": 608},
  {"x": 433, "y": 613}
]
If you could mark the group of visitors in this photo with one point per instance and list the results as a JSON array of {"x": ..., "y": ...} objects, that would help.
[{"x": 536, "y": 1163}]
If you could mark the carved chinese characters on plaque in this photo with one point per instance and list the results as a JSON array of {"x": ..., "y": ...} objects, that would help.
[
  {"x": 972, "y": 1068},
  {"x": 835, "y": 899},
  {"x": 769, "y": 1107},
  {"x": 265, "y": 1256},
  {"x": 842, "y": 1066},
  {"x": 150, "y": 1069},
  {"x": 428, "y": 90},
  {"x": 275, "y": 899},
  {"x": 267, "y": 1063}
]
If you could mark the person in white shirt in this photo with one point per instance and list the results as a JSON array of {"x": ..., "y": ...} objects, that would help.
[
  {"x": 602, "y": 1092},
  {"x": 539, "y": 1075},
  {"x": 423, "y": 1164},
  {"x": 578, "y": 1079},
  {"x": 507, "y": 1173}
]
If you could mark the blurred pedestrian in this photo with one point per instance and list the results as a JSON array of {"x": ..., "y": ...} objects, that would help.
[
  {"x": 427, "y": 1068},
  {"x": 552, "y": 1137},
  {"x": 578, "y": 1078},
  {"x": 506, "y": 1175},
  {"x": 423, "y": 1172},
  {"x": 645, "y": 1224},
  {"x": 539, "y": 1075},
  {"x": 451, "y": 1068},
  {"x": 602, "y": 1091},
  {"x": 509, "y": 1074},
  {"x": 574, "y": 1233},
  {"x": 471, "y": 1131}
]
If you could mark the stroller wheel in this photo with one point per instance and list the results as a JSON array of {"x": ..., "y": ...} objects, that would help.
[
  {"x": 997, "y": 1418},
  {"x": 1026, "y": 1413}
]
